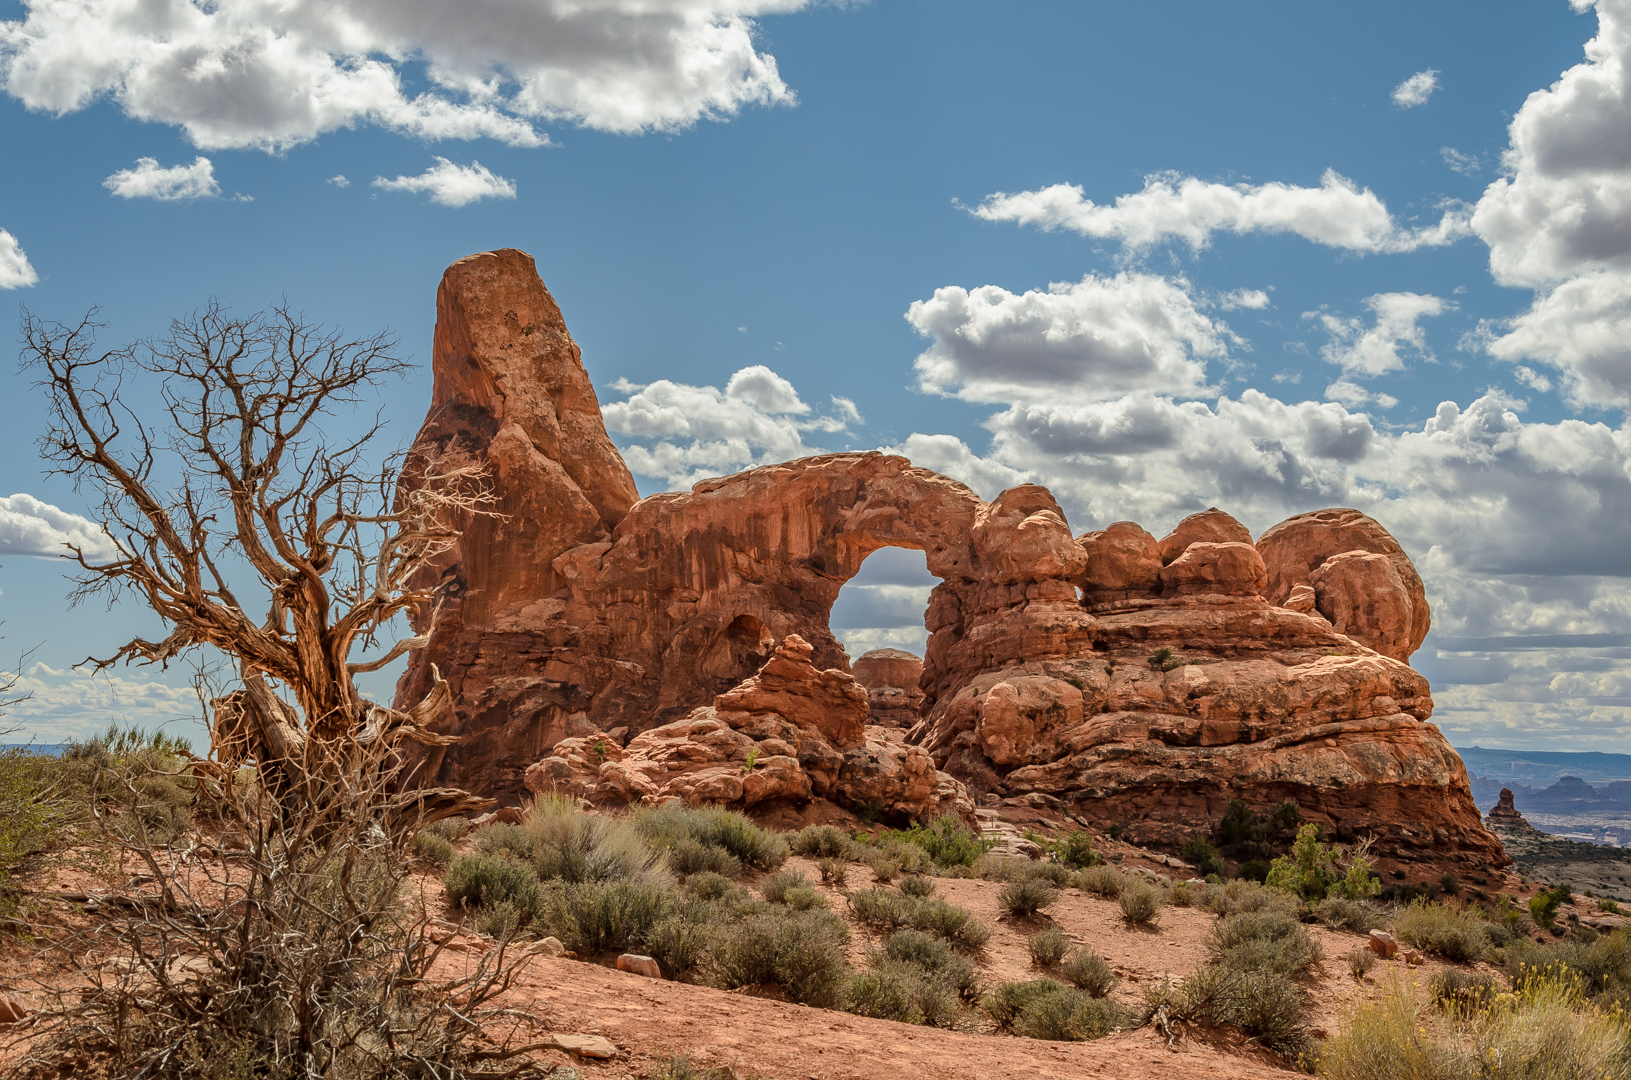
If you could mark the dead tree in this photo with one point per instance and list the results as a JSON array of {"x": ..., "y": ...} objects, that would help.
[{"x": 237, "y": 513}]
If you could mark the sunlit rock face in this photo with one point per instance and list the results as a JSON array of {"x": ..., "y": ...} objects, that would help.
[{"x": 1136, "y": 680}]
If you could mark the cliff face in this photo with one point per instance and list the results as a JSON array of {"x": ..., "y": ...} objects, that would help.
[{"x": 1136, "y": 681}]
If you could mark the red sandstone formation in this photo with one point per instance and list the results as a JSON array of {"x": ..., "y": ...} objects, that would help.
[
  {"x": 790, "y": 732},
  {"x": 1504, "y": 814},
  {"x": 1123, "y": 678},
  {"x": 891, "y": 678}
]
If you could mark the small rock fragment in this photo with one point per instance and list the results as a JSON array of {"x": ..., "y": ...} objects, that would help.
[
  {"x": 551, "y": 945},
  {"x": 589, "y": 1046},
  {"x": 1413, "y": 957},
  {"x": 1383, "y": 944},
  {"x": 639, "y": 965},
  {"x": 11, "y": 1011}
]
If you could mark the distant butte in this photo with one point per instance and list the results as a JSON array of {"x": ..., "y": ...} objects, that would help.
[{"x": 1112, "y": 676}]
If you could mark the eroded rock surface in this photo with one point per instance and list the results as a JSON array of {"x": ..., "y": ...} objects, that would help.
[
  {"x": 791, "y": 732},
  {"x": 891, "y": 678},
  {"x": 595, "y": 643}
]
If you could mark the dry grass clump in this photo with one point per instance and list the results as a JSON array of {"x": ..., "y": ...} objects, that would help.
[
  {"x": 1262, "y": 941},
  {"x": 888, "y": 910},
  {"x": 1048, "y": 947},
  {"x": 1088, "y": 971},
  {"x": 1360, "y": 961},
  {"x": 935, "y": 956},
  {"x": 1360, "y": 916},
  {"x": 1266, "y": 1006},
  {"x": 823, "y": 842},
  {"x": 1544, "y": 1028},
  {"x": 1455, "y": 933},
  {"x": 1024, "y": 897},
  {"x": 775, "y": 886},
  {"x": 917, "y": 885},
  {"x": 884, "y": 868},
  {"x": 833, "y": 871},
  {"x": 1140, "y": 904}
]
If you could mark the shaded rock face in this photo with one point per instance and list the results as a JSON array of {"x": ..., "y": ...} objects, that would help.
[
  {"x": 791, "y": 732},
  {"x": 891, "y": 678},
  {"x": 609, "y": 630}
]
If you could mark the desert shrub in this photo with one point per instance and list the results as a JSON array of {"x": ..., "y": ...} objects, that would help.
[
  {"x": 1237, "y": 897},
  {"x": 1075, "y": 850},
  {"x": 901, "y": 991},
  {"x": 676, "y": 1067},
  {"x": 679, "y": 941},
  {"x": 604, "y": 916},
  {"x": 1453, "y": 933},
  {"x": 1056, "y": 874},
  {"x": 451, "y": 829},
  {"x": 1199, "y": 852},
  {"x": 1048, "y": 947},
  {"x": 1026, "y": 897},
  {"x": 1247, "y": 836},
  {"x": 884, "y": 868},
  {"x": 707, "y": 885},
  {"x": 1457, "y": 991},
  {"x": 946, "y": 841},
  {"x": 688, "y": 856},
  {"x": 956, "y": 925},
  {"x": 804, "y": 898},
  {"x": 934, "y": 956},
  {"x": 1308, "y": 870},
  {"x": 505, "y": 841},
  {"x": 1266, "y": 940},
  {"x": 990, "y": 867},
  {"x": 1140, "y": 904},
  {"x": 822, "y": 842},
  {"x": 1105, "y": 881},
  {"x": 436, "y": 850},
  {"x": 1088, "y": 971},
  {"x": 481, "y": 880},
  {"x": 1384, "y": 1039},
  {"x": 917, "y": 885},
  {"x": 1005, "y": 1004},
  {"x": 800, "y": 951},
  {"x": 1183, "y": 894},
  {"x": 775, "y": 886},
  {"x": 1544, "y": 904},
  {"x": 1360, "y": 961},
  {"x": 564, "y": 844},
  {"x": 1264, "y": 1005},
  {"x": 912, "y": 858},
  {"x": 37, "y": 803},
  {"x": 665, "y": 826},
  {"x": 1069, "y": 1016},
  {"x": 833, "y": 871},
  {"x": 881, "y": 909},
  {"x": 1602, "y": 968},
  {"x": 1355, "y": 915}
]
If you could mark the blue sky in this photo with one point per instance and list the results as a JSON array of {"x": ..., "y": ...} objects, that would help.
[{"x": 1279, "y": 238}]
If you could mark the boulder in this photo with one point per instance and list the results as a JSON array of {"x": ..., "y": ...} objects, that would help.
[
  {"x": 891, "y": 678},
  {"x": 1123, "y": 562},
  {"x": 639, "y": 965},
  {"x": 1229, "y": 569},
  {"x": 1295, "y": 550},
  {"x": 1383, "y": 944},
  {"x": 1209, "y": 526},
  {"x": 589, "y": 1046}
]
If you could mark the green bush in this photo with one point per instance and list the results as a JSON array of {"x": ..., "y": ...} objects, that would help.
[
  {"x": 679, "y": 940},
  {"x": 1266, "y": 1006},
  {"x": 1026, "y": 896},
  {"x": 956, "y": 925},
  {"x": 823, "y": 842},
  {"x": 917, "y": 885},
  {"x": 1356, "y": 915},
  {"x": 1106, "y": 881},
  {"x": 1249, "y": 836},
  {"x": 804, "y": 898},
  {"x": 1075, "y": 850},
  {"x": 1048, "y": 947},
  {"x": 775, "y": 886},
  {"x": 882, "y": 909},
  {"x": 1069, "y": 1015},
  {"x": 1265, "y": 940},
  {"x": 1140, "y": 904},
  {"x": 504, "y": 841},
  {"x": 945, "y": 840},
  {"x": 1006, "y": 1003},
  {"x": 935, "y": 957},
  {"x": 1602, "y": 968},
  {"x": 605, "y": 916},
  {"x": 688, "y": 856},
  {"x": 40, "y": 796},
  {"x": 1088, "y": 971},
  {"x": 474, "y": 881},
  {"x": 1453, "y": 933},
  {"x": 800, "y": 951},
  {"x": 1056, "y": 874},
  {"x": 906, "y": 993},
  {"x": 1237, "y": 897},
  {"x": 1199, "y": 852},
  {"x": 884, "y": 868},
  {"x": 663, "y": 827},
  {"x": 707, "y": 885},
  {"x": 436, "y": 850}
]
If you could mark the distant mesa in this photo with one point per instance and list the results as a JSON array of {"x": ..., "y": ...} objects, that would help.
[{"x": 1112, "y": 676}]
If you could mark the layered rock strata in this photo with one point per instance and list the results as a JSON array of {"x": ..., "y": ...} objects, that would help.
[
  {"x": 1122, "y": 678},
  {"x": 791, "y": 732},
  {"x": 891, "y": 678},
  {"x": 1504, "y": 814}
]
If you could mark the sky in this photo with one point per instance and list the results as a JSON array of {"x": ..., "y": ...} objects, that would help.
[{"x": 1268, "y": 257}]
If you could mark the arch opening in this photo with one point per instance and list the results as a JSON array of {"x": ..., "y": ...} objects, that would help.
[{"x": 879, "y": 619}]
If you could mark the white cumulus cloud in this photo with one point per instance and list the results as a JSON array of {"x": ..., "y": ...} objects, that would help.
[
  {"x": 1376, "y": 349},
  {"x": 150, "y": 180},
  {"x": 254, "y": 73},
  {"x": 1098, "y": 337},
  {"x": 1416, "y": 89},
  {"x": 31, "y": 527},
  {"x": 16, "y": 272},
  {"x": 453, "y": 185},
  {"x": 681, "y": 433},
  {"x": 1337, "y": 213}
]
